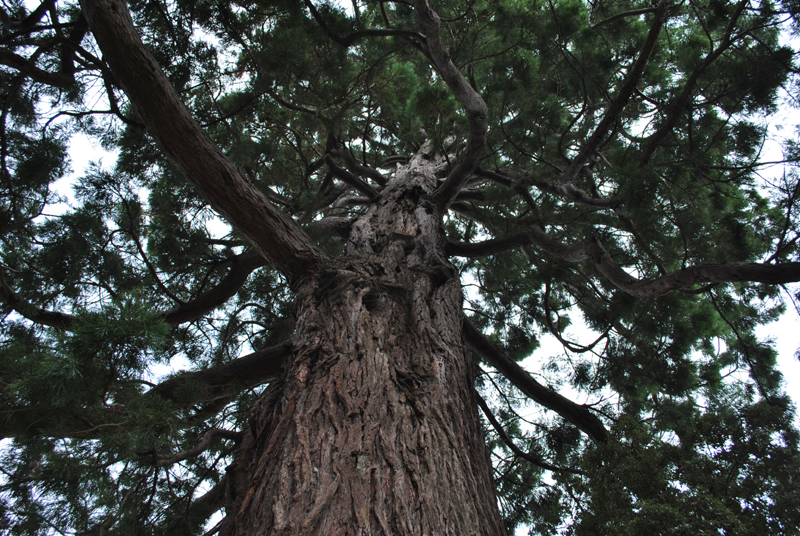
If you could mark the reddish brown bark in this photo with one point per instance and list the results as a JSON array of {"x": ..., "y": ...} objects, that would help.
[{"x": 374, "y": 429}]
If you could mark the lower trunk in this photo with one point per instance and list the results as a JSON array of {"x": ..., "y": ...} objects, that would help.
[{"x": 374, "y": 429}]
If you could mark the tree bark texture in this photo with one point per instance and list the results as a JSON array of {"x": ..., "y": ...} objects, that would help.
[{"x": 374, "y": 428}]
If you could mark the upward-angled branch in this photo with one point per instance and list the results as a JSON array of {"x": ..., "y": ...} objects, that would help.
[
  {"x": 351, "y": 179},
  {"x": 577, "y": 414},
  {"x": 472, "y": 102},
  {"x": 683, "y": 100},
  {"x": 28, "y": 22},
  {"x": 242, "y": 266},
  {"x": 276, "y": 236},
  {"x": 625, "y": 92}
]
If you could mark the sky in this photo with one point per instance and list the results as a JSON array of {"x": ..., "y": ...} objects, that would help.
[{"x": 785, "y": 332}]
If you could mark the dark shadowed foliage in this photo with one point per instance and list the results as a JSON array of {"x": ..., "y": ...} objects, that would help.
[{"x": 349, "y": 228}]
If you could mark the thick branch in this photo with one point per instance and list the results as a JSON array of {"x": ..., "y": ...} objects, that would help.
[
  {"x": 32, "y": 312},
  {"x": 204, "y": 506},
  {"x": 183, "y": 391},
  {"x": 27, "y": 68},
  {"x": 772, "y": 274},
  {"x": 206, "y": 385},
  {"x": 276, "y": 236},
  {"x": 365, "y": 171},
  {"x": 473, "y": 104},
  {"x": 242, "y": 266},
  {"x": 577, "y": 414},
  {"x": 351, "y": 179}
]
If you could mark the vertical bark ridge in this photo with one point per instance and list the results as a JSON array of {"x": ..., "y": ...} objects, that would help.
[{"x": 376, "y": 430}]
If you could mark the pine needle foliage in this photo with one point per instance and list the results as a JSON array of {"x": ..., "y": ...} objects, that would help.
[{"x": 112, "y": 277}]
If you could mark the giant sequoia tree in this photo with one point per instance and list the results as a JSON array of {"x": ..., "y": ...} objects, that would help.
[{"x": 348, "y": 226}]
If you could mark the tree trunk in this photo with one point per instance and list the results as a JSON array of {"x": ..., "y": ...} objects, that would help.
[{"x": 374, "y": 429}]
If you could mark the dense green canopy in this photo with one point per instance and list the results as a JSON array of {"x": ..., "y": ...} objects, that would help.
[{"x": 619, "y": 183}]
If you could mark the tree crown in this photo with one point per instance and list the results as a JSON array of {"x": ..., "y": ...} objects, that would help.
[{"x": 599, "y": 160}]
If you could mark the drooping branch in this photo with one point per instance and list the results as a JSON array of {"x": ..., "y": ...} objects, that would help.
[
  {"x": 514, "y": 448},
  {"x": 625, "y": 92},
  {"x": 577, "y": 414},
  {"x": 275, "y": 235},
  {"x": 473, "y": 104}
]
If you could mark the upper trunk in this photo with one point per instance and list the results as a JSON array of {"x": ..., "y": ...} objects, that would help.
[{"x": 374, "y": 429}]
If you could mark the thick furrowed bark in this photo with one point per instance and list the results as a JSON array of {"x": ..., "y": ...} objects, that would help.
[{"x": 375, "y": 429}]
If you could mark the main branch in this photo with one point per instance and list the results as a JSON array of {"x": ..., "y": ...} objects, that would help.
[
  {"x": 472, "y": 102},
  {"x": 276, "y": 236},
  {"x": 771, "y": 274},
  {"x": 577, "y": 414}
]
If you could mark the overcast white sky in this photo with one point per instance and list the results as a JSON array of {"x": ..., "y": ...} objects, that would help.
[{"x": 785, "y": 332}]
